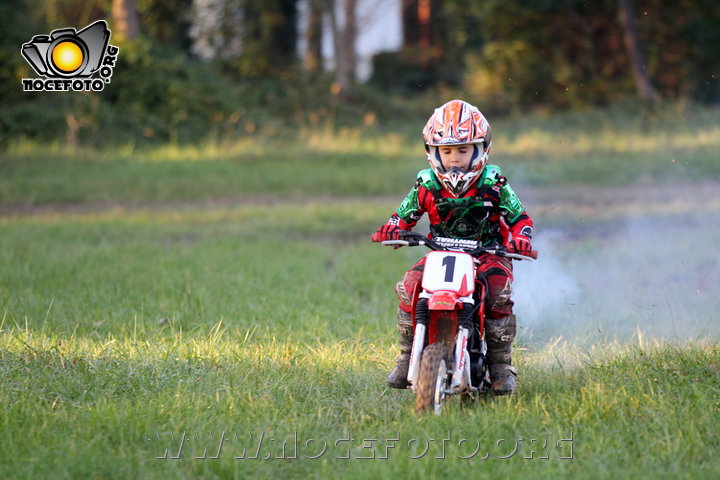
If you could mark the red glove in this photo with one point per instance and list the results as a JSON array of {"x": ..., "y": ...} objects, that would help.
[
  {"x": 386, "y": 232},
  {"x": 520, "y": 244}
]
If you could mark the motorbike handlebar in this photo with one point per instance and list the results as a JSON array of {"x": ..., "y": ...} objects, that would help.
[{"x": 413, "y": 239}]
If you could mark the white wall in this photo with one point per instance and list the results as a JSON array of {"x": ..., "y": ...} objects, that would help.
[{"x": 379, "y": 25}]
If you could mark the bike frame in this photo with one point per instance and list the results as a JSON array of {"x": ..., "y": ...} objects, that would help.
[
  {"x": 446, "y": 294},
  {"x": 444, "y": 311}
]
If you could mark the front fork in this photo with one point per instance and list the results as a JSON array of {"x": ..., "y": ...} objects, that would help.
[
  {"x": 422, "y": 315},
  {"x": 461, "y": 373},
  {"x": 461, "y": 379},
  {"x": 415, "y": 354}
]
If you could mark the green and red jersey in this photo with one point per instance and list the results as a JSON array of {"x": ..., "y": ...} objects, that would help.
[{"x": 486, "y": 212}]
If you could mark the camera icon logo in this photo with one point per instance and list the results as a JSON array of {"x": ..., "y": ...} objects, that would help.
[{"x": 68, "y": 59}]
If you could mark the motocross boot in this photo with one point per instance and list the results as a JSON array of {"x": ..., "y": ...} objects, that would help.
[
  {"x": 499, "y": 334},
  {"x": 398, "y": 376}
]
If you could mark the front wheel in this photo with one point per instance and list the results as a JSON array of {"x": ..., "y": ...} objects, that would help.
[{"x": 433, "y": 379}]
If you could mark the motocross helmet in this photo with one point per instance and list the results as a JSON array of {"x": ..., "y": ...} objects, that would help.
[{"x": 457, "y": 123}]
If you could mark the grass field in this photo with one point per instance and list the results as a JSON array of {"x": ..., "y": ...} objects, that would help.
[
  {"x": 199, "y": 303},
  {"x": 603, "y": 148}
]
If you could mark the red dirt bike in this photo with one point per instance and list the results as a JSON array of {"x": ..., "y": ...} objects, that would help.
[{"x": 448, "y": 352}]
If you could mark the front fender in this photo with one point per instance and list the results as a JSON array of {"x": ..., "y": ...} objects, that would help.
[{"x": 444, "y": 301}]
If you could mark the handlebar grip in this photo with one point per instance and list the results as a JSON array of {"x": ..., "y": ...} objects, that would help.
[{"x": 396, "y": 243}]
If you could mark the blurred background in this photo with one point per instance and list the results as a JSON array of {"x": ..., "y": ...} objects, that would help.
[
  {"x": 194, "y": 71},
  {"x": 225, "y": 115},
  {"x": 188, "y": 250}
]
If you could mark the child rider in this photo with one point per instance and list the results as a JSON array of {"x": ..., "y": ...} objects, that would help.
[{"x": 464, "y": 198}]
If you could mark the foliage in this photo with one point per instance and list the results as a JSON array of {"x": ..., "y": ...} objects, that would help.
[
  {"x": 269, "y": 41},
  {"x": 571, "y": 54},
  {"x": 166, "y": 22},
  {"x": 14, "y": 33},
  {"x": 413, "y": 70},
  {"x": 505, "y": 56}
]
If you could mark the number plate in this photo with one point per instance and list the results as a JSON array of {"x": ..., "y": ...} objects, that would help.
[{"x": 453, "y": 271}]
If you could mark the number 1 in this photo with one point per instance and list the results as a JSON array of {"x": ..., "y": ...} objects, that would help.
[{"x": 449, "y": 262}]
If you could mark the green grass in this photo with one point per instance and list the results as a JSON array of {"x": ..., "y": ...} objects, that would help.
[
  {"x": 189, "y": 266},
  {"x": 108, "y": 408},
  {"x": 214, "y": 293},
  {"x": 125, "y": 329},
  {"x": 593, "y": 148}
]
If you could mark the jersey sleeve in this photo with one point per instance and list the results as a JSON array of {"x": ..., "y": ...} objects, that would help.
[
  {"x": 412, "y": 209},
  {"x": 511, "y": 208}
]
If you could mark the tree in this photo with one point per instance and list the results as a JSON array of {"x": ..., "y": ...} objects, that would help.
[
  {"x": 216, "y": 28},
  {"x": 269, "y": 36},
  {"x": 344, "y": 44},
  {"x": 125, "y": 18},
  {"x": 633, "y": 43},
  {"x": 313, "y": 57},
  {"x": 349, "y": 38},
  {"x": 424, "y": 29},
  {"x": 166, "y": 22},
  {"x": 254, "y": 38}
]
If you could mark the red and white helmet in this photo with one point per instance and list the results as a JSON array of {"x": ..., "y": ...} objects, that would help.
[{"x": 457, "y": 123}]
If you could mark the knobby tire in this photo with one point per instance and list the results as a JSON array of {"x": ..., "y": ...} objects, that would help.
[{"x": 434, "y": 358}]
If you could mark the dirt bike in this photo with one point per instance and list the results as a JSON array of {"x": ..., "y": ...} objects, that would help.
[{"x": 448, "y": 352}]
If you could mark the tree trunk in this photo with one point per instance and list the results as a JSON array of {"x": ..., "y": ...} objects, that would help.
[
  {"x": 73, "y": 127},
  {"x": 411, "y": 27},
  {"x": 313, "y": 56},
  {"x": 125, "y": 18},
  {"x": 350, "y": 36},
  {"x": 633, "y": 43},
  {"x": 424, "y": 15},
  {"x": 344, "y": 43},
  {"x": 330, "y": 9}
]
